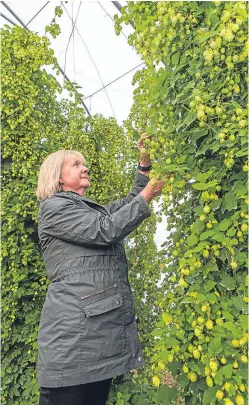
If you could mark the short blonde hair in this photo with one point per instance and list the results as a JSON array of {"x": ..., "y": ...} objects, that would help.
[{"x": 50, "y": 171}]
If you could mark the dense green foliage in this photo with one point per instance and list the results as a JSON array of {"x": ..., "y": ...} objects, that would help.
[
  {"x": 192, "y": 97},
  {"x": 35, "y": 123}
]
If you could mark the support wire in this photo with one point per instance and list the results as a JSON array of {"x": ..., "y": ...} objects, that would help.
[
  {"x": 92, "y": 62},
  {"x": 26, "y": 28}
]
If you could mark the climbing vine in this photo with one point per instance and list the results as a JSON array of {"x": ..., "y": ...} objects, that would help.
[
  {"x": 36, "y": 122},
  {"x": 191, "y": 295},
  {"x": 192, "y": 98}
]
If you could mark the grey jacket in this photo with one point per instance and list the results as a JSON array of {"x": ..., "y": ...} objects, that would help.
[{"x": 87, "y": 329}]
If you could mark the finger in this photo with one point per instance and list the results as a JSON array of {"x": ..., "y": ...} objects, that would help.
[{"x": 145, "y": 135}]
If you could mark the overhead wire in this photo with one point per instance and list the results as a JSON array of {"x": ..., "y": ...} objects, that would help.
[
  {"x": 73, "y": 26},
  {"x": 7, "y": 19},
  {"x": 97, "y": 81},
  {"x": 14, "y": 14},
  {"x": 92, "y": 62},
  {"x": 26, "y": 28},
  {"x": 84, "y": 98},
  {"x": 72, "y": 33},
  {"x": 73, "y": 45},
  {"x": 37, "y": 13}
]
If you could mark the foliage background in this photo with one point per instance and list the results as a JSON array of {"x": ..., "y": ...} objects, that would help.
[{"x": 192, "y": 98}]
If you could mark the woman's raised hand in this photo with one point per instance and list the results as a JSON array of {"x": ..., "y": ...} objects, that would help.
[{"x": 152, "y": 189}]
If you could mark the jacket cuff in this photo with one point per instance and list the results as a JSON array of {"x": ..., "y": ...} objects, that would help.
[
  {"x": 141, "y": 180},
  {"x": 144, "y": 205}
]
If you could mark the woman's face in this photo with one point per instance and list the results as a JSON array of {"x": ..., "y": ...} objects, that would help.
[{"x": 74, "y": 175}]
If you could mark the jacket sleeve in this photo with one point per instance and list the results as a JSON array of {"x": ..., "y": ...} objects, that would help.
[
  {"x": 63, "y": 219},
  {"x": 139, "y": 184}
]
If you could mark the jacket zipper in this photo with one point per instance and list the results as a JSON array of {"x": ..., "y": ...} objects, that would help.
[{"x": 97, "y": 292}]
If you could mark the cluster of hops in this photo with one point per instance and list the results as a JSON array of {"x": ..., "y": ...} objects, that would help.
[
  {"x": 229, "y": 159},
  {"x": 227, "y": 34},
  {"x": 208, "y": 55},
  {"x": 201, "y": 108}
]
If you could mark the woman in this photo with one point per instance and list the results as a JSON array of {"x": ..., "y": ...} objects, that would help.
[{"x": 87, "y": 332}]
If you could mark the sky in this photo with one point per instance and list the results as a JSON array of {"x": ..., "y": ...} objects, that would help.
[
  {"x": 107, "y": 52},
  {"x": 94, "y": 56}
]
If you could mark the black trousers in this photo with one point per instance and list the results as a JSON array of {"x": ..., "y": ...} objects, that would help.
[{"x": 95, "y": 393}]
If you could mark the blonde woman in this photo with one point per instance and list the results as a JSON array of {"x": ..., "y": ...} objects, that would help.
[{"x": 87, "y": 332}]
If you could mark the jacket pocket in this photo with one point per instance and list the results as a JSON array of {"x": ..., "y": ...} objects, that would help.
[
  {"x": 103, "y": 305},
  {"x": 102, "y": 326}
]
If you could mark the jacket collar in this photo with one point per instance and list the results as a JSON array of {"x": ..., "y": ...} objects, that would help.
[{"x": 88, "y": 201}]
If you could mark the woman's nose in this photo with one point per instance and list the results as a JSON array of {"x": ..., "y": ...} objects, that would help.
[{"x": 85, "y": 170}]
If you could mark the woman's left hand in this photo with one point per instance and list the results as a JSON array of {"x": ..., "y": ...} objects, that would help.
[{"x": 144, "y": 157}]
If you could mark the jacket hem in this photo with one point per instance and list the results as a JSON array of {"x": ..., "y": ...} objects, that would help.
[{"x": 89, "y": 376}]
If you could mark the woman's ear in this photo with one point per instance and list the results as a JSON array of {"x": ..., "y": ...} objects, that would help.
[{"x": 61, "y": 181}]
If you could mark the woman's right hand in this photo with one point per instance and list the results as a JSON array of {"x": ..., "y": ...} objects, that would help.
[{"x": 152, "y": 189}]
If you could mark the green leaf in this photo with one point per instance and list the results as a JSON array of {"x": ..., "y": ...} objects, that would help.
[
  {"x": 157, "y": 332},
  {"x": 211, "y": 266},
  {"x": 214, "y": 205},
  {"x": 214, "y": 19},
  {"x": 240, "y": 304},
  {"x": 218, "y": 236},
  {"x": 224, "y": 225},
  {"x": 242, "y": 257},
  {"x": 208, "y": 396},
  {"x": 212, "y": 183},
  {"x": 240, "y": 191},
  {"x": 232, "y": 327},
  {"x": 242, "y": 12},
  {"x": 234, "y": 242},
  {"x": 211, "y": 297},
  {"x": 227, "y": 282},
  {"x": 244, "y": 371},
  {"x": 229, "y": 201},
  {"x": 209, "y": 285},
  {"x": 203, "y": 37},
  {"x": 182, "y": 380},
  {"x": 198, "y": 134},
  {"x": 218, "y": 379},
  {"x": 243, "y": 321},
  {"x": 200, "y": 297},
  {"x": 204, "y": 186},
  {"x": 199, "y": 186},
  {"x": 175, "y": 58},
  {"x": 231, "y": 232},
  {"x": 198, "y": 248},
  {"x": 215, "y": 346},
  {"x": 192, "y": 240},
  {"x": 243, "y": 152},
  {"x": 171, "y": 342},
  {"x": 202, "y": 177},
  {"x": 198, "y": 226},
  {"x": 165, "y": 395},
  {"x": 173, "y": 367},
  {"x": 227, "y": 370},
  {"x": 227, "y": 315},
  {"x": 207, "y": 234}
]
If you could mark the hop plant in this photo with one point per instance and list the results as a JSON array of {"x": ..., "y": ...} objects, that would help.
[
  {"x": 167, "y": 318},
  {"x": 192, "y": 376},
  {"x": 208, "y": 55},
  {"x": 239, "y": 400},
  {"x": 227, "y": 34},
  {"x": 219, "y": 394},
  {"x": 209, "y": 381},
  {"x": 156, "y": 381}
]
